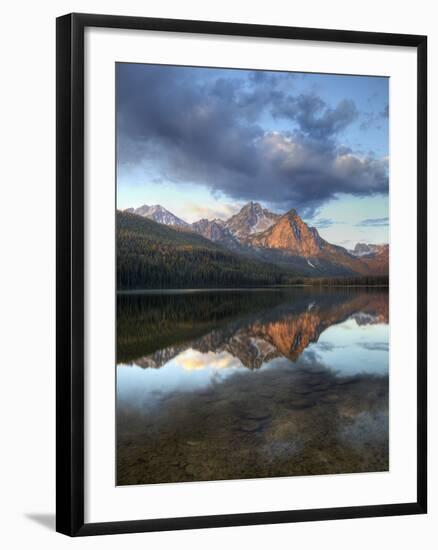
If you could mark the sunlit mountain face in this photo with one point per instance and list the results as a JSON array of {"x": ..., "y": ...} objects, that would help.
[
  {"x": 295, "y": 381},
  {"x": 284, "y": 241}
]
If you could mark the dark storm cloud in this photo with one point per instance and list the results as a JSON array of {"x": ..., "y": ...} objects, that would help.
[
  {"x": 373, "y": 222},
  {"x": 205, "y": 126},
  {"x": 314, "y": 117}
]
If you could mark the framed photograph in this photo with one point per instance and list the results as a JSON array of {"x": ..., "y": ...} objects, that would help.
[{"x": 241, "y": 274}]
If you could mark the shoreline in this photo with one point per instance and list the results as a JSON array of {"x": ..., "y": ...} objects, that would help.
[{"x": 239, "y": 289}]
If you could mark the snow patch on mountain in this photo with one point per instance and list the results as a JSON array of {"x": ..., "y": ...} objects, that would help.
[{"x": 158, "y": 214}]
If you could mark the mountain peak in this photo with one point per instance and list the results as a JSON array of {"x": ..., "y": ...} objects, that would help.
[
  {"x": 252, "y": 218},
  {"x": 159, "y": 214},
  {"x": 254, "y": 205},
  {"x": 292, "y": 213},
  {"x": 364, "y": 249},
  {"x": 291, "y": 234}
]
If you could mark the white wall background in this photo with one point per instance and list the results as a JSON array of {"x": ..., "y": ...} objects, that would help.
[{"x": 27, "y": 275}]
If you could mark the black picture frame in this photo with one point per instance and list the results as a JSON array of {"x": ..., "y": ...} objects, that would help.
[{"x": 70, "y": 273}]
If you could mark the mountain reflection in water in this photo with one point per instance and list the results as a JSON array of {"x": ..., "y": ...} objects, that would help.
[{"x": 247, "y": 384}]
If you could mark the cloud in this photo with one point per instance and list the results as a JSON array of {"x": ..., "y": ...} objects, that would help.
[
  {"x": 325, "y": 346},
  {"x": 375, "y": 346},
  {"x": 313, "y": 115},
  {"x": 221, "y": 211},
  {"x": 323, "y": 223},
  {"x": 319, "y": 222},
  {"x": 373, "y": 222},
  {"x": 195, "y": 360},
  {"x": 374, "y": 119},
  {"x": 203, "y": 126}
]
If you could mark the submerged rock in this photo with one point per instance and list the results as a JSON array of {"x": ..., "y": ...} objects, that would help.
[
  {"x": 251, "y": 426},
  {"x": 330, "y": 398},
  {"x": 302, "y": 390},
  {"x": 256, "y": 414},
  {"x": 298, "y": 404},
  {"x": 342, "y": 381}
]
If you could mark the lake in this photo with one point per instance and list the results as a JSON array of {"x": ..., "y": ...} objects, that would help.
[{"x": 215, "y": 385}]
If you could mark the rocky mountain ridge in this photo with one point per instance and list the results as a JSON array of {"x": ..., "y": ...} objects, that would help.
[
  {"x": 363, "y": 249},
  {"x": 282, "y": 239},
  {"x": 290, "y": 233},
  {"x": 158, "y": 214},
  {"x": 251, "y": 219}
]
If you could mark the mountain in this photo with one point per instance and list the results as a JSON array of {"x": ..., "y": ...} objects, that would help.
[
  {"x": 159, "y": 214},
  {"x": 251, "y": 219},
  {"x": 291, "y": 242},
  {"x": 215, "y": 231},
  {"x": 363, "y": 249},
  {"x": 153, "y": 255},
  {"x": 374, "y": 256},
  {"x": 289, "y": 233},
  {"x": 257, "y": 235}
]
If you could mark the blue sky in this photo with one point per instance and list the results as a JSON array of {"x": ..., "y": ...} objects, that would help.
[{"x": 203, "y": 142}]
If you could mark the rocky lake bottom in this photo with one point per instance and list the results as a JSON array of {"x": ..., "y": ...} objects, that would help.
[{"x": 294, "y": 383}]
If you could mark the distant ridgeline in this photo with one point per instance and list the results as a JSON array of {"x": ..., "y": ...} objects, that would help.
[
  {"x": 282, "y": 250},
  {"x": 151, "y": 255}
]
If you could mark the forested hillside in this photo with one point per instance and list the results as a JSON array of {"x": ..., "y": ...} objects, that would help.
[{"x": 152, "y": 255}]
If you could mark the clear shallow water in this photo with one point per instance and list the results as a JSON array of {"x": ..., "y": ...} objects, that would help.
[{"x": 227, "y": 385}]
